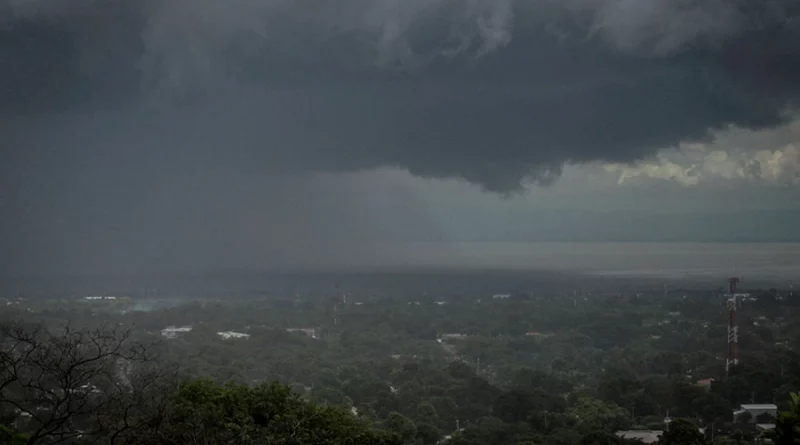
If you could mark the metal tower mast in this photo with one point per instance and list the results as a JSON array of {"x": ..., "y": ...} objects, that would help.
[{"x": 733, "y": 326}]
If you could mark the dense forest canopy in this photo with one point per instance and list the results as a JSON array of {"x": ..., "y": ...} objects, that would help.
[{"x": 505, "y": 370}]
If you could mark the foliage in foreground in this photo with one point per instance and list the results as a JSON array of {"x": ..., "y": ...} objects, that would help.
[
  {"x": 99, "y": 386},
  {"x": 204, "y": 412},
  {"x": 787, "y": 425}
]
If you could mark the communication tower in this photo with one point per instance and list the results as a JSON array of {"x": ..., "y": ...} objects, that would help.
[{"x": 733, "y": 325}]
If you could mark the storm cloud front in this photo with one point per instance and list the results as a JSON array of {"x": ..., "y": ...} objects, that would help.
[
  {"x": 492, "y": 91},
  {"x": 133, "y": 126}
]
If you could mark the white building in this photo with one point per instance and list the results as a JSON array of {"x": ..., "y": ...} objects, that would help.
[
  {"x": 228, "y": 335},
  {"x": 95, "y": 297},
  {"x": 645, "y": 436},
  {"x": 501, "y": 296},
  {"x": 452, "y": 337},
  {"x": 174, "y": 331},
  {"x": 756, "y": 409},
  {"x": 310, "y": 332}
]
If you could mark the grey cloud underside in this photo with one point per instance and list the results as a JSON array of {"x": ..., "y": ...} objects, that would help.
[{"x": 488, "y": 94}]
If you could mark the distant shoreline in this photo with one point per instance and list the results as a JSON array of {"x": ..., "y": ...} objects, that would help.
[{"x": 459, "y": 268}]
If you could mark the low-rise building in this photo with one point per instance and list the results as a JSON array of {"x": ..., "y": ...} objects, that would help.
[
  {"x": 645, "y": 436},
  {"x": 705, "y": 383},
  {"x": 174, "y": 331},
  {"x": 452, "y": 337},
  {"x": 756, "y": 411},
  {"x": 228, "y": 335},
  {"x": 310, "y": 332},
  {"x": 537, "y": 334}
]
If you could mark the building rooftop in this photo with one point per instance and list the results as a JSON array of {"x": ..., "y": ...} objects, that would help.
[
  {"x": 232, "y": 334},
  {"x": 758, "y": 406},
  {"x": 177, "y": 329},
  {"x": 646, "y": 436}
]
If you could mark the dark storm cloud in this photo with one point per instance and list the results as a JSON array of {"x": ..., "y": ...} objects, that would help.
[{"x": 493, "y": 91}]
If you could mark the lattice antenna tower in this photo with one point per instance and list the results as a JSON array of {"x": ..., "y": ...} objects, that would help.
[{"x": 733, "y": 325}]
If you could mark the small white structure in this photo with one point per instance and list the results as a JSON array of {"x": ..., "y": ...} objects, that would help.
[
  {"x": 645, "y": 436},
  {"x": 228, "y": 335},
  {"x": 174, "y": 331},
  {"x": 95, "y": 297},
  {"x": 310, "y": 332},
  {"x": 501, "y": 296},
  {"x": 452, "y": 337},
  {"x": 86, "y": 389}
]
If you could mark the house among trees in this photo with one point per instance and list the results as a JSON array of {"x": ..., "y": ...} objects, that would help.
[
  {"x": 644, "y": 436},
  {"x": 756, "y": 413}
]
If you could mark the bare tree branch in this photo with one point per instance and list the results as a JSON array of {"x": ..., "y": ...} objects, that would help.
[{"x": 96, "y": 384}]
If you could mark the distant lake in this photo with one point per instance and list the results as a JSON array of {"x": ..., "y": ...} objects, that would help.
[
  {"x": 674, "y": 260},
  {"x": 468, "y": 268}
]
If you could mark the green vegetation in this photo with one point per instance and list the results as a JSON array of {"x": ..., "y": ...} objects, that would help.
[
  {"x": 787, "y": 425},
  {"x": 423, "y": 371},
  {"x": 206, "y": 412}
]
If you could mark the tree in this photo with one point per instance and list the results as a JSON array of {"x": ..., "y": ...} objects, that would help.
[
  {"x": 712, "y": 407},
  {"x": 78, "y": 383},
  {"x": 234, "y": 414},
  {"x": 513, "y": 406},
  {"x": 402, "y": 426},
  {"x": 744, "y": 417},
  {"x": 328, "y": 395},
  {"x": 682, "y": 432},
  {"x": 428, "y": 434},
  {"x": 606, "y": 439},
  {"x": 787, "y": 425},
  {"x": 9, "y": 436},
  {"x": 594, "y": 415},
  {"x": 765, "y": 418},
  {"x": 426, "y": 413}
]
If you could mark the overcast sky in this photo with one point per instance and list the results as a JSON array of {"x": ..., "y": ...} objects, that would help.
[{"x": 142, "y": 135}]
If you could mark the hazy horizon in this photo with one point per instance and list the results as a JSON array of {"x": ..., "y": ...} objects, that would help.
[{"x": 466, "y": 267}]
